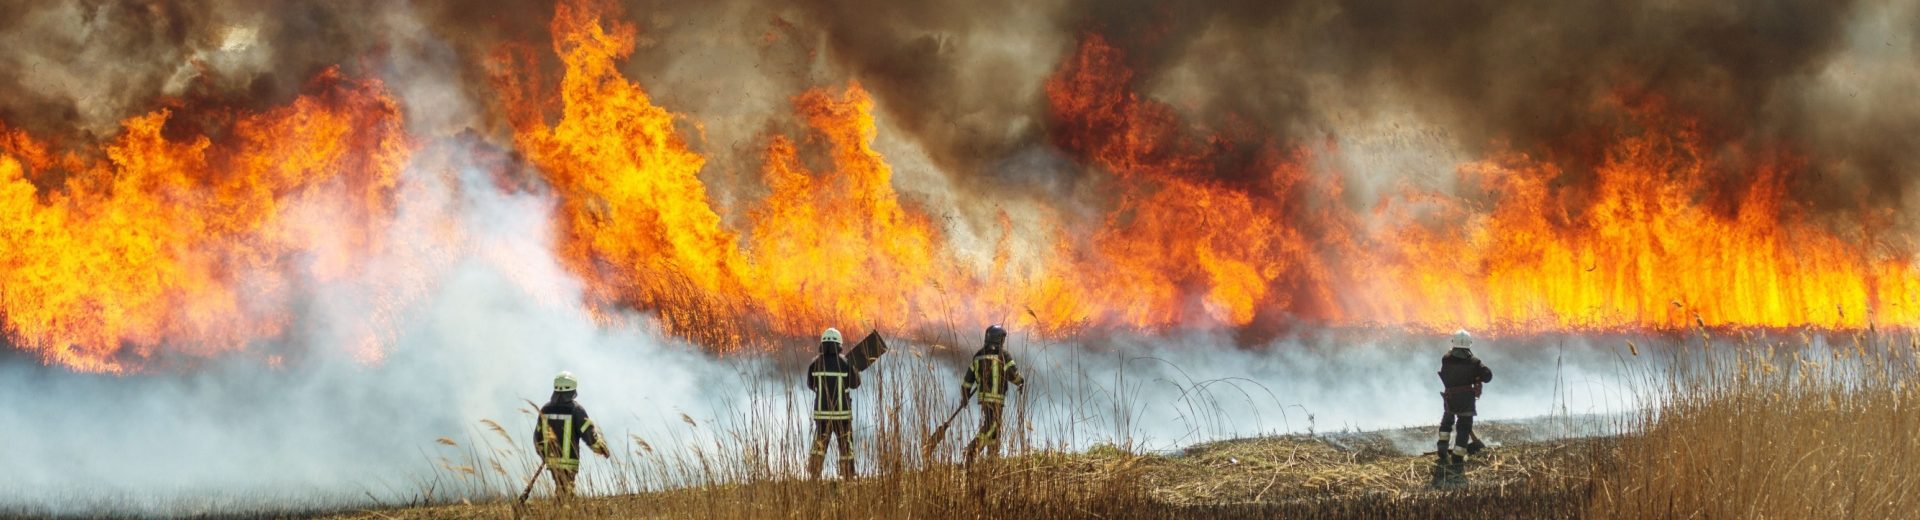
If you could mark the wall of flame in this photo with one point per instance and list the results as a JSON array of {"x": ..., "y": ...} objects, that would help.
[{"x": 157, "y": 243}]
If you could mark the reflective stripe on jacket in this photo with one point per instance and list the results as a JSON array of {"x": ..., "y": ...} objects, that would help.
[
  {"x": 563, "y": 424},
  {"x": 830, "y": 377},
  {"x": 991, "y": 372}
]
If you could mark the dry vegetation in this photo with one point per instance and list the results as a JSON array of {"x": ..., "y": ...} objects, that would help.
[
  {"x": 1744, "y": 429},
  {"x": 1777, "y": 431},
  {"x": 1253, "y": 477}
]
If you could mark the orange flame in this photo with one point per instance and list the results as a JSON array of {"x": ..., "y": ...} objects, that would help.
[
  {"x": 1185, "y": 242},
  {"x": 1182, "y": 245},
  {"x": 199, "y": 243},
  {"x": 639, "y": 225},
  {"x": 839, "y": 244},
  {"x": 177, "y": 241},
  {"x": 637, "y": 222},
  {"x": 1644, "y": 249}
]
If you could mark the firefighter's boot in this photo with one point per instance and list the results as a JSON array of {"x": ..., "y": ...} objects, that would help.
[
  {"x": 1440, "y": 449},
  {"x": 846, "y": 468}
]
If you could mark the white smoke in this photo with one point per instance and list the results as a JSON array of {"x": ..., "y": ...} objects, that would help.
[
  {"x": 495, "y": 316},
  {"x": 467, "y": 313},
  {"x": 1158, "y": 394},
  {"x": 479, "y": 316}
]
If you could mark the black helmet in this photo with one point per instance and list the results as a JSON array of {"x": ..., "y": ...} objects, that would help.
[{"x": 996, "y": 336}]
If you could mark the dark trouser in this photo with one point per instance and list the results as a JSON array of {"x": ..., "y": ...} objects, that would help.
[
  {"x": 989, "y": 436},
  {"x": 824, "y": 430},
  {"x": 562, "y": 480},
  {"x": 1461, "y": 435}
]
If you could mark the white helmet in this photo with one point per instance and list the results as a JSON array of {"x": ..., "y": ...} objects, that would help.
[
  {"x": 565, "y": 382},
  {"x": 830, "y": 336},
  {"x": 1462, "y": 339}
]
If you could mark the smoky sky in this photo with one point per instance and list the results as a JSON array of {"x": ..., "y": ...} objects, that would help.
[
  {"x": 959, "y": 83},
  {"x": 963, "y": 79},
  {"x": 1824, "y": 87},
  {"x": 1495, "y": 75}
]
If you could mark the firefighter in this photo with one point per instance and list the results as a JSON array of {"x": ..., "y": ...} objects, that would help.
[
  {"x": 989, "y": 373},
  {"x": 830, "y": 376},
  {"x": 562, "y": 426},
  {"x": 1462, "y": 374}
]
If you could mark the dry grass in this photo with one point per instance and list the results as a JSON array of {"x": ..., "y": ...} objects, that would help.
[
  {"x": 1777, "y": 431},
  {"x": 1290, "y": 475},
  {"x": 1742, "y": 429},
  {"x": 1293, "y": 469}
]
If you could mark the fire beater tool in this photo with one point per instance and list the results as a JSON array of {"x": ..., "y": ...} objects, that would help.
[
  {"x": 940, "y": 434},
  {"x": 867, "y": 351},
  {"x": 536, "y": 478}
]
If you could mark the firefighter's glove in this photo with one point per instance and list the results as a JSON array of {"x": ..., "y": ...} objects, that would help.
[{"x": 601, "y": 449}]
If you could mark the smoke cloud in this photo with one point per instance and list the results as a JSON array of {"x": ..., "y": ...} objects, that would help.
[
  {"x": 962, "y": 80},
  {"x": 478, "y": 312},
  {"x": 499, "y": 316}
]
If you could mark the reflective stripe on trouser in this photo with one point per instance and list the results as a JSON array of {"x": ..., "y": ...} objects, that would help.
[
  {"x": 1463, "y": 434},
  {"x": 563, "y": 480},
  {"x": 989, "y": 435},
  {"x": 989, "y": 422},
  {"x": 840, "y": 430}
]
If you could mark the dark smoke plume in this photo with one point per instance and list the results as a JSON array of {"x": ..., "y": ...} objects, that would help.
[{"x": 961, "y": 79}]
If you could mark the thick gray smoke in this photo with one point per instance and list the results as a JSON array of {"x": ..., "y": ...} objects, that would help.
[
  {"x": 1492, "y": 75},
  {"x": 960, "y": 84},
  {"x": 487, "y": 315},
  {"x": 962, "y": 80}
]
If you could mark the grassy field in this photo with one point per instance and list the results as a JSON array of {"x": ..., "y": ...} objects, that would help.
[
  {"x": 1776, "y": 430},
  {"x": 1781, "y": 427},
  {"x": 1358, "y": 474}
]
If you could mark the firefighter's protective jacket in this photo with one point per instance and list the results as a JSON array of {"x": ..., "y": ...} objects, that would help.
[
  {"x": 562, "y": 426},
  {"x": 830, "y": 376},
  {"x": 990, "y": 373},
  {"x": 1462, "y": 373}
]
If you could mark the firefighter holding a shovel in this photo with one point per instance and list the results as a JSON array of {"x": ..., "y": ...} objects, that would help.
[{"x": 989, "y": 375}]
